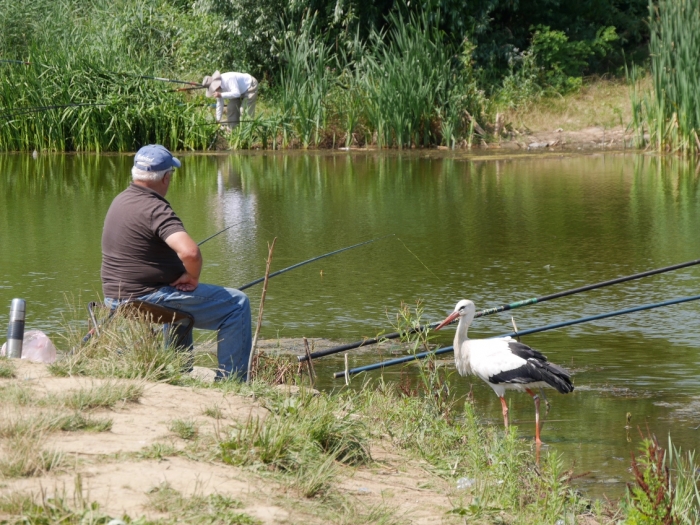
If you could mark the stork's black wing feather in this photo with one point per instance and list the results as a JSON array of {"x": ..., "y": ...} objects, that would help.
[
  {"x": 535, "y": 369},
  {"x": 524, "y": 351}
]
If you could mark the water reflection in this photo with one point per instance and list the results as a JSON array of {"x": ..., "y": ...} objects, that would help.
[
  {"x": 494, "y": 231},
  {"x": 234, "y": 207}
]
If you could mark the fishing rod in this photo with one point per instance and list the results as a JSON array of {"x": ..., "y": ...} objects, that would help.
[
  {"x": 501, "y": 308},
  {"x": 218, "y": 233},
  {"x": 273, "y": 274},
  {"x": 252, "y": 283},
  {"x": 161, "y": 79},
  {"x": 22, "y": 111},
  {"x": 447, "y": 349},
  {"x": 198, "y": 86}
]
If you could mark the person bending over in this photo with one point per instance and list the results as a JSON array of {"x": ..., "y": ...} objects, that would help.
[
  {"x": 234, "y": 87},
  {"x": 148, "y": 255}
]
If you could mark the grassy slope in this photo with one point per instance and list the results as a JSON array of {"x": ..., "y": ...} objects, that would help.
[
  {"x": 600, "y": 103},
  {"x": 103, "y": 447}
]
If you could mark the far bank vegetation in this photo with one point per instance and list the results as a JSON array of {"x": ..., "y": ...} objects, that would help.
[{"x": 333, "y": 74}]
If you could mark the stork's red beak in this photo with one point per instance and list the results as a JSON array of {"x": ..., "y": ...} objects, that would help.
[{"x": 450, "y": 318}]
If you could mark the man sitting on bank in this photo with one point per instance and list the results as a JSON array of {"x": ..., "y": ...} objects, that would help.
[{"x": 148, "y": 255}]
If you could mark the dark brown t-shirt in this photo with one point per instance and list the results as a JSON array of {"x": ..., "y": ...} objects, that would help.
[{"x": 135, "y": 258}]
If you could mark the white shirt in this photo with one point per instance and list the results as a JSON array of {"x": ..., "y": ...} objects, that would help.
[{"x": 234, "y": 85}]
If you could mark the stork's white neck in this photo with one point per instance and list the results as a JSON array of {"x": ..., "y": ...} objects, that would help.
[
  {"x": 465, "y": 322},
  {"x": 461, "y": 350}
]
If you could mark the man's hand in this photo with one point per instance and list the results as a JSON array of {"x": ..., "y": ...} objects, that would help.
[
  {"x": 188, "y": 252},
  {"x": 217, "y": 94},
  {"x": 185, "y": 283}
]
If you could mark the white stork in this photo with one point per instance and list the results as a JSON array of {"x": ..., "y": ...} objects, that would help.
[{"x": 504, "y": 363}]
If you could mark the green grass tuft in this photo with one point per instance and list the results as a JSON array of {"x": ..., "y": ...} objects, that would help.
[
  {"x": 157, "y": 451},
  {"x": 19, "y": 508},
  {"x": 214, "y": 412},
  {"x": 128, "y": 348},
  {"x": 214, "y": 508},
  {"x": 186, "y": 429},
  {"x": 25, "y": 456},
  {"x": 105, "y": 395},
  {"x": 80, "y": 422},
  {"x": 7, "y": 369}
]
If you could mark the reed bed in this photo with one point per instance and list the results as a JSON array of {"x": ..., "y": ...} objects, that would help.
[
  {"x": 403, "y": 88},
  {"x": 78, "y": 106},
  {"x": 667, "y": 117},
  {"x": 77, "y": 83},
  {"x": 305, "y": 84}
]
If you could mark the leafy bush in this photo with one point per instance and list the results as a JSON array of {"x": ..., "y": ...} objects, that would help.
[
  {"x": 563, "y": 61},
  {"x": 248, "y": 31}
]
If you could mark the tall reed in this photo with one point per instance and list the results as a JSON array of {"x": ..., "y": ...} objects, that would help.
[
  {"x": 405, "y": 87},
  {"x": 305, "y": 83},
  {"x": 84, "y": 88},
  {"x": 406, "y": 82},
  {"x": 668, "y": 117}
]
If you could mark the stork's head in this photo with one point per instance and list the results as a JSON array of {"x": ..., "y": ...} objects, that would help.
[{"x": 465, "y": 309}]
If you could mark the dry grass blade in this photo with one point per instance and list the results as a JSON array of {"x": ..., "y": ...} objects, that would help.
[{"x": 129, "y": 348}]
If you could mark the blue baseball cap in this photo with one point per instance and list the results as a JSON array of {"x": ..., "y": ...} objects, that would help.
[{"x": 155, "y": 157}]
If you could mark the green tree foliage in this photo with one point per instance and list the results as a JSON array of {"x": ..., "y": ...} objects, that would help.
[
  {"x": 561, "y": 61},
  {"x": 512, "y": 22},
  {"x": 255, "y": 30},
  {"x": 247, "y": 34}
]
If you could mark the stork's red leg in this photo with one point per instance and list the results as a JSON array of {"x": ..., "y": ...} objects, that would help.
[
  {"x": 537, "y": 415},
  {"x": 505, "y": 411}
]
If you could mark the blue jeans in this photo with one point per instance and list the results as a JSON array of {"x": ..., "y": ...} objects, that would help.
[{"x": 214, "y": 308}]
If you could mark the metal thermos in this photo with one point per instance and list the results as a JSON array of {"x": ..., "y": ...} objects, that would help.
[{"x": 15, "y": 331}]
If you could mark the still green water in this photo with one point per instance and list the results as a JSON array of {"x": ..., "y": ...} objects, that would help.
[{"x": 494, "y": 231}]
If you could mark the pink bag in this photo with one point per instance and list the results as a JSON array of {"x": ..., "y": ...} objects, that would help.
[{"x": 36, "y": 346}]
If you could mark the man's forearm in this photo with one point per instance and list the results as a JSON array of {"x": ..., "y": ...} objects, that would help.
[
  {"x": 188, "y": 252},
  {"x": 193, "y": 265}
]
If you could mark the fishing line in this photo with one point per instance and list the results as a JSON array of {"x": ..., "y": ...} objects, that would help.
[
  {"x": 228, "y": 228},
  {"x": 186, "y": 89},
  {"x": 424, "y": 266}
]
